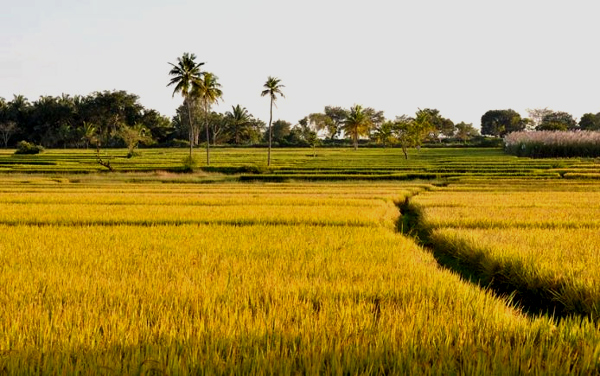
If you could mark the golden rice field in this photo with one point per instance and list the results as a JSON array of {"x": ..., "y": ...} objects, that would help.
[
  {"x": 112, "y": 276},
  {"x": 543, "y": 243}
]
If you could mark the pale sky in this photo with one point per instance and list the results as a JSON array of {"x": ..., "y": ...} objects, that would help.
[{"x": 463, "y": 57}]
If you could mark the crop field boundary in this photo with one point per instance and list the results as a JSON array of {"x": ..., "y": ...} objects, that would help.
[{"x": 476, "y": 266}]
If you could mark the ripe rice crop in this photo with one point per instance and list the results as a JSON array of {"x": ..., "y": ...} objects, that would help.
[
  {"x": 560, "y": 264},
  {"x": 540, "y": 243},
  {"x": 380, "y": 213},
  {"x": 257, "y": 299},
  {"x": 553, "y": 144},
  {"x": 330, "y": 288},
  {"x": 550, "y": 207}
]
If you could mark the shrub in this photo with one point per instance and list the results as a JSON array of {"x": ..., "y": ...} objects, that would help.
[
  {"x": 24, "y": 147},
  {"x": 189, "y": 163}
]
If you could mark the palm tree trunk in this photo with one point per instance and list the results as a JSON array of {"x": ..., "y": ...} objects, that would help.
[
  {"x": 270, "y": 120},
  {"x": 355, "y": 139},
  {"x": 207, "y": 133},
  {"x": 191, "y": 132}
]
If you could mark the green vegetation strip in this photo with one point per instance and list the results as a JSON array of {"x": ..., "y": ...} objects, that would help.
[{"x": 328, "y": 164}]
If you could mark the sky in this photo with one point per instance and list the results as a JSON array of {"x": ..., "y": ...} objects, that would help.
[{"x": 462, "y": 57}]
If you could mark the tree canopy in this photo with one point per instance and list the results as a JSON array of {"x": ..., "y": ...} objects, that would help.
[
  {"x": 501, "y": 122},
  {"x": 557, "y": 121}
]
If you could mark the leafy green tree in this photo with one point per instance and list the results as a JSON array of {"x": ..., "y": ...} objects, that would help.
[
  {"x": 410, "y": 132},
  {"x": 88, "y": 134},
  {"x": 331, "y": 120},
  {"x": 357, "y": 123},
  {"x": 384, "y": 133},
  {"x": 238, "y": 122},
  {"x": 181, "y": 120},
  {"x": 422, "y": 125},
  {"x": 439, "y": 125},
  {"x": 557, "y": 121},
  {"x": 313, "y": 141},
  {"x": 536, "y": 115},
  {"x": 465, "y": 131},
  {"x": 187, "y": 78},
  {"x": 281, "y": 129},
  {"x": 109, "y": 111},
  {"x": 337, "y": 115},
  {"x": 159, "y": 126},
  {"x": 501, "y": 122},
  {"x": 209, "y": 91},
  {"x": 65, "y": 134},
  {"x": 18, "y": 111},
  {"x": 272, "y": 88},
  {"x": 590, "y": 122},
  {"x": 256, "y": 130},
  {"x": 218, "y": 127},
  {"x": 133, "y": 136},
  {"x": 377, "y": 118},
  {"x": 7, "y": 129},
  {"x": 303, "y": 134},
  {"x": 52, "y": 121}
]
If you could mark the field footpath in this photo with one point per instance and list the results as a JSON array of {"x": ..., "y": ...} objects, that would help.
[{"x": 505, "y": 280}]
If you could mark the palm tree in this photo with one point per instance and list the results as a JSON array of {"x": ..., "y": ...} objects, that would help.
[
  {"x": 186, "y": 76},
  {"x": 357, "y": 123},
  {"x": 239, "y": 119},
  {"x": 272, "y": 89},
  {"x": 209, "y": 92},
  {"x": 88, "y": 133}
]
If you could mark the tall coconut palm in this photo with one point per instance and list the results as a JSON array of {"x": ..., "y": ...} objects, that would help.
[
  {"x": 209, "y": 93},
  {"x": 273, "y": 88},
  {"x": 357, "y": 123},
  {"x": 239, "y": 120},
  {"x": 187, "y": 78}
]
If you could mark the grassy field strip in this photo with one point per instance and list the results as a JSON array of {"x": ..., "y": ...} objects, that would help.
[
  {"x": 542, "y": 244},
  {"x": 131, "y": 300},
  {"x": 332, "y": 163}
]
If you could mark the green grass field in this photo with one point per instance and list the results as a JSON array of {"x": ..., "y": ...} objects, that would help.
[
  {"x": 148, "y": 271},
  {"x": 340, "y": 163}
]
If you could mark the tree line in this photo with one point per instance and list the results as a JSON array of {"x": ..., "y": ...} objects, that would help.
[
  {"x": 116, "y": 118},
  {"x": 499, "y": 123},
  {"x": 107, "y": 118}
]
